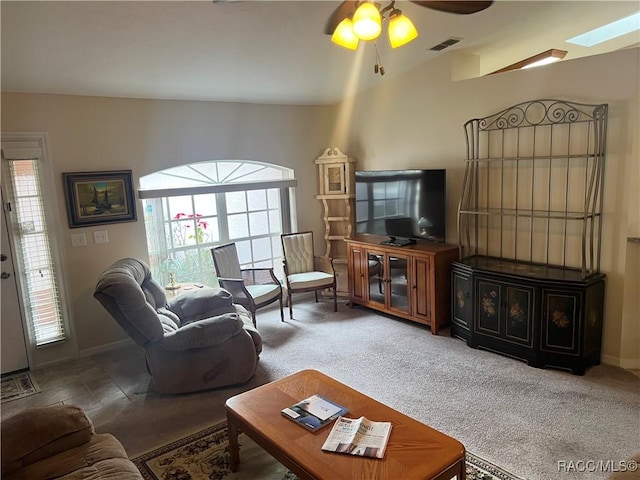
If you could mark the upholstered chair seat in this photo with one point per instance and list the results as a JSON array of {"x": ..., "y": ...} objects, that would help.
[
  {"x": 264, "y": 293},
  {"x": 305, "y": 280}
]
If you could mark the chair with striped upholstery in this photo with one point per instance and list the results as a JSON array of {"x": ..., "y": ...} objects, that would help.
[{"x": 304, "y": 271}]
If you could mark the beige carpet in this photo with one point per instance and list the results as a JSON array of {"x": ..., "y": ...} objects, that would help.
[
  {"x": 524, "y": 419},
  {"x": 204, "y": 455}
]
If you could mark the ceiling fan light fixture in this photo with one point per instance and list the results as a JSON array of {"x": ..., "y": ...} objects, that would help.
[
  {"x": 344, "y": 35},
  {"x": 367, "y": 22},
  {"x": 401, "y": 29}
]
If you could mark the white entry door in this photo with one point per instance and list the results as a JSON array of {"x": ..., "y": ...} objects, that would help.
[{"x": 13, "y": 353}]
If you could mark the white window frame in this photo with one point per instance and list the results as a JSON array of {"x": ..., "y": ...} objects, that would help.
[{"x": 286, "y": 187}]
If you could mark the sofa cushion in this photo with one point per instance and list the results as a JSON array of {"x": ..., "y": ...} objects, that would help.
[
  {"x": 41, "y": 432},
  {"x": 103, "y": 456},
  {"x": 111, "y": 469}
]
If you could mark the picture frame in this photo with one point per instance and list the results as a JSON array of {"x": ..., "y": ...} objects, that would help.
[{"x": 98, "y": 198}]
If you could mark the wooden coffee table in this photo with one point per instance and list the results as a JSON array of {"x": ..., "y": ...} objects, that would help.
[{"x": 415, "y": 451}]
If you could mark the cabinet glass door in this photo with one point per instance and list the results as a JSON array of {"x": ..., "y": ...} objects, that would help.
[
  {"x": 356, "y": 277},
  {"x": 334, "y": 179},
  {"x": 398, "y": 281},
  {"x": 376, "y": 274}
]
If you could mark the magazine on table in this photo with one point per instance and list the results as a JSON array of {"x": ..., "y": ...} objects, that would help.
[
  {"x": 358, "y": 436},
  {"x": 314, "y": 412}
]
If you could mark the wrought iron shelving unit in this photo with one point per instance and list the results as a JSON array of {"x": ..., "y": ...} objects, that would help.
[{"x": 529, "y": 233}]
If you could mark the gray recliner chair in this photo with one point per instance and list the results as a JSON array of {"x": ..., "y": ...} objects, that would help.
[{"x": 196, "y": 341}]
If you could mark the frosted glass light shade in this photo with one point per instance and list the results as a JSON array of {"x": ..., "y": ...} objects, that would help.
[
  {"x": 401, "y": 30},
  {"x": 367, "y": 22},
  {"x": 344, "y": 35}
]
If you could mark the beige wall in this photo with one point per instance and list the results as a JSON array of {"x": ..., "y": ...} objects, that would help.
[
  {"x": 96, "y": 133},
  {"x": 416, "y": 120},
  {"x": 412, "y": 121}
]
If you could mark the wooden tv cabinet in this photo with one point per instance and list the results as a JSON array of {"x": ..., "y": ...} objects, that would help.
[{"x": 412, "y": 282}]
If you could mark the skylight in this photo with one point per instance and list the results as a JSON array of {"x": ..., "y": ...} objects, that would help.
[{"x": 607, "y": 32}]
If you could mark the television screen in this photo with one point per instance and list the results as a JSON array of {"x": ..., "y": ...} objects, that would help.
[{"x": 407, "y": 204}]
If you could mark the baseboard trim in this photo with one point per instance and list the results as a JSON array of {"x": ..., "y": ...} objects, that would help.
[
  {"x": 105, "y": 348},
  {"x": 626, "y": 363}
]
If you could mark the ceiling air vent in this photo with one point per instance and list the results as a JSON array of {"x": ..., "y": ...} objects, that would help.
[{"x": 445, "y": 44}]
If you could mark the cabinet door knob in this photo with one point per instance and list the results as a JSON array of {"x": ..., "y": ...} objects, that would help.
[{"x": 5, "y": 275}]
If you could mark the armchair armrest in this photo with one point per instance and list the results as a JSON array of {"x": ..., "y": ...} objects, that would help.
[
  {"x": 236, "y": 287},
  {"x": 259, "y": 276},
  {"x": 324, "y": 264},
  {"x": 204, "y": 333},
  {"x": 41, "y": 432}
]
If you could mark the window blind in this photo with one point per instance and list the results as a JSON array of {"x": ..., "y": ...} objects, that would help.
[{"x": 39, "y": 286}]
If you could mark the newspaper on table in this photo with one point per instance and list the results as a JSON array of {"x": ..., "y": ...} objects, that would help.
[{"x": 358, "y": 436}]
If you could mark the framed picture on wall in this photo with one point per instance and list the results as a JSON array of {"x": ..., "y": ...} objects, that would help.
[{"x": 96, "y": 198}]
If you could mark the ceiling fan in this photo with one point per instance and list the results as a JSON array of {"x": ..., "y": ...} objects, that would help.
[
  {"x": 355, "y": 20},
  {"x": 348, "y": 7}
]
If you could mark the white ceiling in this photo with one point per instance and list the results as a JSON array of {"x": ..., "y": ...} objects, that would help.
[{"x": 262, "y": 51}]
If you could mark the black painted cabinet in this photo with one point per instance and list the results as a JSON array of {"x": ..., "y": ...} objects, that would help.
[{"x": 546, "y": 316}]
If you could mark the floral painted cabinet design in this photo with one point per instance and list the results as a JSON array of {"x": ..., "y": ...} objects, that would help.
[
  {"x": 461, "y": 300},
  {"x": 505, "y": 309}
]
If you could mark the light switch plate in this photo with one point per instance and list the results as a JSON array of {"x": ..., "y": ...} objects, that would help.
[
  {"x": 78, "y": 240},
  {"x": 100, "y": 236}
]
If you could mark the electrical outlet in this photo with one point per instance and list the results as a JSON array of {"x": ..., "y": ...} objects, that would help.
[
  {"x": 101, "y": 236},
  {"x": 78, "y": 240}
]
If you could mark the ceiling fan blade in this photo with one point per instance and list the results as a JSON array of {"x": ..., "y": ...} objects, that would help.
[
  {"x": 455, "y": 6},
  {"x": 345, "y": 9}
]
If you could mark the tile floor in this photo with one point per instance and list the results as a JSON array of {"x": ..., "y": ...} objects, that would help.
[
  {"x": 90, "y": 382},
  {"x": 117, "y": 393}
]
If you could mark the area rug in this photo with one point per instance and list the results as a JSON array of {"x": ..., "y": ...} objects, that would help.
[
  {"x": 17, "y": 386},
  {"x": 205, "y": 456}
]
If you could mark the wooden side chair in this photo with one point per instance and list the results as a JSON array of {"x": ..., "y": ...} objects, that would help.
[
  {"x": 304, "y": 271},
  {"x": 252, "y": 288}
]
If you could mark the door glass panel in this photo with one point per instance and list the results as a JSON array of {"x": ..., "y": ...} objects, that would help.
[
  {"x": 377, "y": 285},
  {"x": 399, "y": 282}
]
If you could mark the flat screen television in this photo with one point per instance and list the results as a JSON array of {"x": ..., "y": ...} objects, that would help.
[{"x": 405, "y": 205}]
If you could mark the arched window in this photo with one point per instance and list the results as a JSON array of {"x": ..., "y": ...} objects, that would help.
[{"x": 190, "y": 208}]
